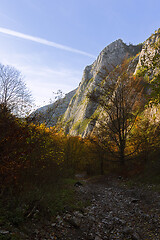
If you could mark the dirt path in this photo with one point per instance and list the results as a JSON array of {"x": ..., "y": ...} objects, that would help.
[{"x": 115, "y": 212}]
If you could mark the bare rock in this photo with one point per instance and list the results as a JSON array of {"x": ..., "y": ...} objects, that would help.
[
  {"x": 135, "y": 200},
  {"x": 4, "y": 232},
  {"x": 78, "y": 184},
  {"x": 127, "y": 230},
  {"x": 97, "y": 238},
  {"x": 135, "y": 236}
]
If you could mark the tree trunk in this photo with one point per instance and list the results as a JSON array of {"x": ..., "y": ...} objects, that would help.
[
  {"x": 101, "y": 159},
  {"x": 102, "y": 166},
  {"x": 122, "y": 156}
]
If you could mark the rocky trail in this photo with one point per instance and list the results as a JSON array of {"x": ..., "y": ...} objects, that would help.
[{"x": 116, "y": 212}]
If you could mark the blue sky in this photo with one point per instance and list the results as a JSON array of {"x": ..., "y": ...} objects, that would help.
[{"x": 52, "y": 41}]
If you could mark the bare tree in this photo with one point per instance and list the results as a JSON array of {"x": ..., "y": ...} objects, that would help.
[
  {"x": 120, "y": 99},
  {"x": 50, "y": 113},
  {"x": 14, "y": 94}
]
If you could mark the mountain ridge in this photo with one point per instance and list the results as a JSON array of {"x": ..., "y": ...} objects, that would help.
[
  {"x": 78, "y": 118},
  {"x": 79, "y": 114}
]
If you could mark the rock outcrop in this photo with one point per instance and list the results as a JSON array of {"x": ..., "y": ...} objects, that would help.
[
  {"x": 81, "y": 114},
  {"x": 52, "y": 112},
  {"x": 149, "y": 59},
  {"x": 149, "y": 67},
  {"x": 75, "y": 113}
]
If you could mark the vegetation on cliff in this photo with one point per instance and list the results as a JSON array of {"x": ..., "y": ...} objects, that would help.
[{"x": 120, "y": 135}]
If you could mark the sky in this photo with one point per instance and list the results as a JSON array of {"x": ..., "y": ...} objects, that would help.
[{"x": 51, "y": 41}]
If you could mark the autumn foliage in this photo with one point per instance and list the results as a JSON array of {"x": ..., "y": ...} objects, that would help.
[{"x": 35, "y": 154}]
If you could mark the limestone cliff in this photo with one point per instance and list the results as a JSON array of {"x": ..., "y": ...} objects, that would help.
[
  {"x": 149, "y": 59},
  {"x": 149, "y": 67},
  {"x": 76, "y": 114},
  {"x": 49, "y": 114},
  {"x": 80, "y": 116}
]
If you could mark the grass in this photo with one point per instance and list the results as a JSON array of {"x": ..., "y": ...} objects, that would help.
[
  {"x": 76, "y": 126},
  {"x": 150, "y": 176},
  {"x": 141, "y": 182},
  {"x": 80, "y": 126},
  {"x": 14, "y": 236},
  {"x": 62, "y": 197},
  {"x": 37, "y": 205}
]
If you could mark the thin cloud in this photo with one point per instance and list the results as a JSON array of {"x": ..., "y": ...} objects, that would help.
[{"x": 43, "y": 41}]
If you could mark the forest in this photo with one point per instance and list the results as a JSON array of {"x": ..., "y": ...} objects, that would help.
[{"x": 38, "y": 163}]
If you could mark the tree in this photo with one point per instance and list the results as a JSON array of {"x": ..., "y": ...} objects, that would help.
[
  {"x": 50, "y": 113},
  {"x": 119, "y": 96},
  {"x": 14, "y": 94}
]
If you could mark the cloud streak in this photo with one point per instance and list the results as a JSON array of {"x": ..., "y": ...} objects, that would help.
[{"x": 43, "y": 41}]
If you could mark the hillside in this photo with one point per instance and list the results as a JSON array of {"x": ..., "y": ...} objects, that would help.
[
  {"x": 105, "y": 186},
  {"x": 76, "y": 114},
  {"x": 52, "y": 112}
]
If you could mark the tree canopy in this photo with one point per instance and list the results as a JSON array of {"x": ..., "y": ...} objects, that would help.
[
  {"x": 14, "y": 94},
  {"x": 120, "y": 99}
]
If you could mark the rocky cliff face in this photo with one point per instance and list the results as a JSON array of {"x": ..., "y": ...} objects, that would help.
[
  {"x": 149, "y": 66},
  {"x": 81, "y": 114},
  {"x": 76, "y": 114},
  {"x": 149, "y": 59},
  {"x": 50, "y": 113}
]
